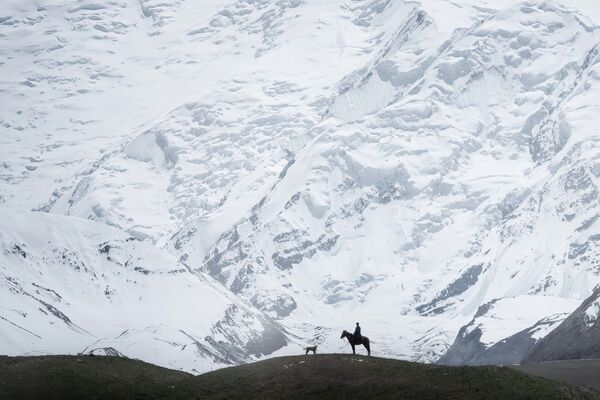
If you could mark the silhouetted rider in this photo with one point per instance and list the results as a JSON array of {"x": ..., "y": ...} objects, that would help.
[{"x": 357, "y": 335}]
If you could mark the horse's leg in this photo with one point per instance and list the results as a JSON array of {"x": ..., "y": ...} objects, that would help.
[
  {"x": 353, "y": 349},
  {"x": 368, "y": 347}
]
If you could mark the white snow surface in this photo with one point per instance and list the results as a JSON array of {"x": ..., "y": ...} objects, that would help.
[
  {"x": 591, "y": 313},
  {"x": 278, "y": 170},
  {"x": 509, "y": 316},
  {"x": 72, "y": 285}
]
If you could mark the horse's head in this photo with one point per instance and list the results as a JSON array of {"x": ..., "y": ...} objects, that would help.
[{"x": 344, "y": 334}]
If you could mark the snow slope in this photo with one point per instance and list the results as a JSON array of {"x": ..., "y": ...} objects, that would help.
[
  {"x": 71, "y": 285},
  {"x": 575, "y": 338},
  {"x": 394, "y": 162},
  {"x": 504, "y": 331}
]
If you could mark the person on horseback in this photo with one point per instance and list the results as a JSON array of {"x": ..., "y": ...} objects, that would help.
[
  {"x": 357, "y": 335},
  {"x": 353, "y": 339}
]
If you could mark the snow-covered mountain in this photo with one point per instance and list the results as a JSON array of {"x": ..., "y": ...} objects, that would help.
[
  {"x": 428, "y": 168},
  {"x": 575, "y": 338},
  {"x": 74, "y": 285},
  {"x": 490, "y": 339}
]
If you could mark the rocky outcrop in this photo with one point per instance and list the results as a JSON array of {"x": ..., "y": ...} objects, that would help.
[{"x": 578, "y": 337}]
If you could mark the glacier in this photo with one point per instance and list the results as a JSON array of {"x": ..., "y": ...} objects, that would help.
[{"x": 200, "y": 184}]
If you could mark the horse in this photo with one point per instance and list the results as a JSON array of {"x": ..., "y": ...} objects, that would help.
[{"x": 352, "y": 340}]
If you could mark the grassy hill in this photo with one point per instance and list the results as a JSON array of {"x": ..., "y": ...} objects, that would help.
[{"x": 331, "y": 376}]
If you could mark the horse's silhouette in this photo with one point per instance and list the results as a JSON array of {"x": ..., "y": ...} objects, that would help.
[{"x": 365, "y": 341}]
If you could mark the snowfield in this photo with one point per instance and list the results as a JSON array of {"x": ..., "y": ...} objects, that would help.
[
  {"x": 199, "y": 184},
  {"x": 76, "y": 285}
]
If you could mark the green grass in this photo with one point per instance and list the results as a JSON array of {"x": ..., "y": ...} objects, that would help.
[
  {"x": 83, "y": 378},
  {"x": 330, "y": 376}
]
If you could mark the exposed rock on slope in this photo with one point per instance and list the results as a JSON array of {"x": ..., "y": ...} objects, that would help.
[
  {"x": 578, "y": 337},
  {"x": 70, "y": 285},
  {"x": 504, "y": 331},
  {"x": 307, "y": 163}
]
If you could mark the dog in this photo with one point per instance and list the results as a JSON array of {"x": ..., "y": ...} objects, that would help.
[{"x": 311, "y": 348}]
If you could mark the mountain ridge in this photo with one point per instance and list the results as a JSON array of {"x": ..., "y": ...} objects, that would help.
[{"x": 319, "y": 162}]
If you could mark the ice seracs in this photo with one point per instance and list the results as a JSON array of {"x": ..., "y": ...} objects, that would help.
[{"x": 306, "y": 163}]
